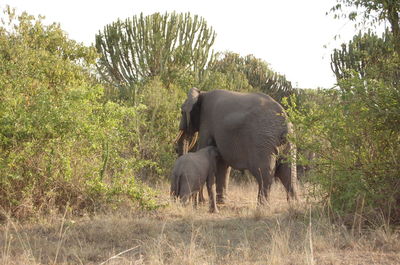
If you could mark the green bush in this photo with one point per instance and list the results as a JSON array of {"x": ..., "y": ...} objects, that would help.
[
  {"x": 355, "y": 134},
  {"x": 161, "y": 126},
  {"x": 61, "y": 143}
]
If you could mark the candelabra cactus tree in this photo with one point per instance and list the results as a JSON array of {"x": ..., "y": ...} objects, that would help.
[
  {"x": 374, "y": 11},
  {"x": 367, "y": 55},
  {"x": 165, "y": 45},
  {"x": 277, "y": 86}
]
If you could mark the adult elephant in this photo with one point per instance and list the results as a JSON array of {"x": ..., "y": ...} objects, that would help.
[{"x": 250, "y": 131}]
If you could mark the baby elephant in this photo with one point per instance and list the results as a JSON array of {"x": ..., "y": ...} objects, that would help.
[{"x": 190, "y": 173}]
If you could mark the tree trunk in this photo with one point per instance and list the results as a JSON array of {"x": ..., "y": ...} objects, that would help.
[{"x": 393, "y": 17}]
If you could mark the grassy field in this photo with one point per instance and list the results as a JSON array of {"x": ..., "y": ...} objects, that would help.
[{"x": 240, "y": 234}]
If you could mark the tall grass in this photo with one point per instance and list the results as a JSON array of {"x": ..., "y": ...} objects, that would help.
[{"x": 241, "y": 234}]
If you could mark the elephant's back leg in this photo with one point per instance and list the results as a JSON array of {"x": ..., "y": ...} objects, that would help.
[{"x": 264, "y": 174}]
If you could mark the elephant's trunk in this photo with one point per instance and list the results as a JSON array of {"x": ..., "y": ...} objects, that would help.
[
  {"x": 187, "y": 120},
  {"x": 185, "y": 146}
]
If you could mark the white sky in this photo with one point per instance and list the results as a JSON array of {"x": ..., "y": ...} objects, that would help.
[{"x": 289, "y": 34}]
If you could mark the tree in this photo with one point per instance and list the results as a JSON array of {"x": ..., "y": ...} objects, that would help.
[
  {"x": 374, "y": 11},
  {"x": 251, "y": 73},
  {"x": 143, "y": 47},
  {"x": 261, "y": 77}
]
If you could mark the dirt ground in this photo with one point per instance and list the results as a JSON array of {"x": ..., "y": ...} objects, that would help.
[{"x": 279, "y": 233}]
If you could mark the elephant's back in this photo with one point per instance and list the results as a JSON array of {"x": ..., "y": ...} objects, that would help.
[
  {"x": 246, "y": 126},
  {"x": 224, "y": 101},
  {"x": 247, "y": 112},
  {"x": 191, "y": 164}
]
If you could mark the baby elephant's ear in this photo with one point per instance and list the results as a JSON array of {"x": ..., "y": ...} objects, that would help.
[{"x": 215, "y": 152}]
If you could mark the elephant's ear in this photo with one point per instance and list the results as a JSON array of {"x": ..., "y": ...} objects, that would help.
[
  {"x": 189, "y": 105},
  {"x": 192, "y": 98}
]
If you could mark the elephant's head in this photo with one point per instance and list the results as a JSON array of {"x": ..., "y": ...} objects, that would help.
[{"x": 190, "y": 122}]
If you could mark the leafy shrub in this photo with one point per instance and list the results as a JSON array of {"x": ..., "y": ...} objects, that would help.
[
  {"x": 60, "y": 141},
  {"x": 160, "y": 127},
  {"x": 355, "y": 135}
]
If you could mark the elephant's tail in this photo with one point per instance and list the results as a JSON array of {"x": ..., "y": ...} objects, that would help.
[{"x": 286, "y": 166}]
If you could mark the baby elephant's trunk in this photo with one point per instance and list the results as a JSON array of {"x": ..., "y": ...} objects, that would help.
[{"x": 175, "y": 187}]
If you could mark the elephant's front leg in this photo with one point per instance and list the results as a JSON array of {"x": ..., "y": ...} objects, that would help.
[
  {"x": 194, "y": 197},
  {"x": 222, "y": 180},
  {"x": 211, "y": 193}
]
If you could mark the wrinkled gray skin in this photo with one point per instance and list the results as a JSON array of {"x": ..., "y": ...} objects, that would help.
[
  {"x": 250, "y": 131},
  {"x": 191, "y": 171}
]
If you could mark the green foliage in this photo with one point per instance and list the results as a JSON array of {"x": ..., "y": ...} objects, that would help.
[
  {"x": 226, "y": 72},
  {"x": 160, "y": 126},
  {"x": 60, "y": 142},
  {"x": 170, "y": 46},
  {"x": 355, "y": 136},
  {"x": 247, "y": 73},
  {"x": 354, "y": 130}
]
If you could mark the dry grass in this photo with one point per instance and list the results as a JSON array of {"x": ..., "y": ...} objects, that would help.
[{"x": 240, "y": 234}]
